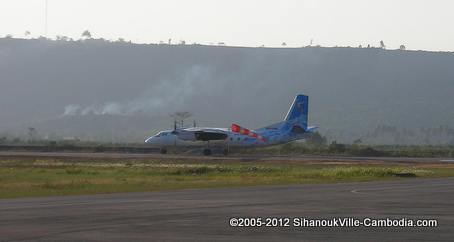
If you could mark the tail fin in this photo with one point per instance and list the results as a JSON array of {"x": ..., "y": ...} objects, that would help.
[{"x": 298, "y": 112}]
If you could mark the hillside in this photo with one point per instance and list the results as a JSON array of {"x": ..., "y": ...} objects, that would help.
[{"x": 115, "y": 91}]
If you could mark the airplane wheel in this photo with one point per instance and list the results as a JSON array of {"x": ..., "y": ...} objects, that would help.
[
  {"x": 207, "y": 152},
  {"x": 163, "y": 151}
]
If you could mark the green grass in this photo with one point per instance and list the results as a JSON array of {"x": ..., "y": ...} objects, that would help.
[
  {"x": 296, "y": 148},
  {"x": 27, "y": 178}
]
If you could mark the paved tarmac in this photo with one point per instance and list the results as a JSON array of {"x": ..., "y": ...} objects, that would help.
[
  {"x": 203, "y": 214},
  {"x": 233, "y": 157}
]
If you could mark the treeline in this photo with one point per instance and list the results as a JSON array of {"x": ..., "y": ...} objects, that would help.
[
  {"x": 318, "y": 145},
  {"x": 441, "y": 135},
  {"x": 17, "y": 141}
]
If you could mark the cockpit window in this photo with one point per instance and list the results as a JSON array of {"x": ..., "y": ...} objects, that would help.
[{"x": 161, "y": 133}]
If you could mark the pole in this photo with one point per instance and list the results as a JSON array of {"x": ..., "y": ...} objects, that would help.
[{"x": 45, "y": 19}]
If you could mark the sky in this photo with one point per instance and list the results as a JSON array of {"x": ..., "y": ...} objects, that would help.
[{"x": 417, "y": 24}]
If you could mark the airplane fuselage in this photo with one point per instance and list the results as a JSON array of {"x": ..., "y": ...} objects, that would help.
[
  {"x": 293, "y": 127},
  {"x": 168, "y": 138}
]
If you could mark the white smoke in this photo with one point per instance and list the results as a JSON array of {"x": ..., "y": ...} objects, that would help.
[
  {"x": 159, "y": 99},
  {"x": 71, "y": 110}
]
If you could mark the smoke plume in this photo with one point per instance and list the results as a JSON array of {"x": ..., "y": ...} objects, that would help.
[{"x": 165, "y": 97}]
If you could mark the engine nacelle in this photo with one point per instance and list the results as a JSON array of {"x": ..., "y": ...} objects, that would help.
[
  {"x": 206, "y": 136},
  {"x": 185, "y": 135}
]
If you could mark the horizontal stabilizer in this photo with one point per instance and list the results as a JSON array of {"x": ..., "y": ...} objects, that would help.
[{"x": 311, "y": 129}]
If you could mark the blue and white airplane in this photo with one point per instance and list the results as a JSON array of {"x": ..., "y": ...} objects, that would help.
[{"x": 293, "y": 127}]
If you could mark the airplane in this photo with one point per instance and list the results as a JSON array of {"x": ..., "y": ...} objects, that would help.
[{"x": 293, "y": 127}]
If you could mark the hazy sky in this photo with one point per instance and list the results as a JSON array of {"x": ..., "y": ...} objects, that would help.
[{"x": 419, "y": 24}]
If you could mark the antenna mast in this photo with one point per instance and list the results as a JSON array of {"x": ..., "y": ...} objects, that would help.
[{"x": 45, "y": 19}]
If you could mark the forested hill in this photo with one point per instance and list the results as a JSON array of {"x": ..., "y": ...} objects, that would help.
[{"x": 94, "y": 89}]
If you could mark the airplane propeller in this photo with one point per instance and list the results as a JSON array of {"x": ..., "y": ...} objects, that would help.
[{"x": 174, "y": 127}]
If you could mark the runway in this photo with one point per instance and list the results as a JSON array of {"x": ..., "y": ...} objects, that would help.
[
  {"x": 232, "y": 158},
  {"x": 203, "y": 214}
]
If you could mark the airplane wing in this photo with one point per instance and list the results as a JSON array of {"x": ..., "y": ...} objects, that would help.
[{"x": 201, "y": 134}]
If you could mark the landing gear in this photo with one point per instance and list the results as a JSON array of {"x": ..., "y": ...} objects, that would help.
[
  {"x": 206, "y": 152},
  {"x": 163, "y": 151}
]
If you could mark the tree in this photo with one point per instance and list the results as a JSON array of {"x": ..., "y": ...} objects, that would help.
[
  {"x": 357, "y": 141},
  {"x": 316, "y": 139},
  {"x": 179, "y": 117},
  {"x": 3, "y": 140},
  {"x": 402, "y": 47},
  {"x": 86, "y": 34},
  {"x": 62, "y": 38},
  {"x": 284, "y": 44},
  {"x": 31, "y": 133},
  {"x": 382, "y": 44},
  {"x": 334, "y": 147}
]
